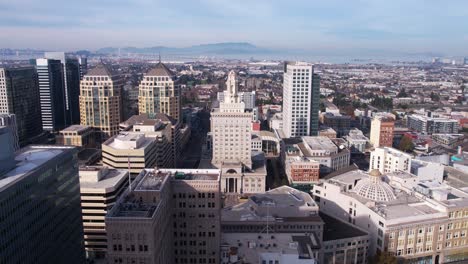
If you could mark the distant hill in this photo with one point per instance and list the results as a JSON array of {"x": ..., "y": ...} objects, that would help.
[{"x": 204, "y": 49}]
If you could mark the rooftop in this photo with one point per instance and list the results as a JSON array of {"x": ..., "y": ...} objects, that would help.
[
  {"x": 100, "y": 70},
  {"x": 160, "y": 70},
  {"x": 320, "y": 143},
  {"x": 287, "y": 248},
  {"x": 30, "y": 159},
  {"x": 75, "y": 128},
  {"x": 109, "y": 177},
  {"x": 280, "y": 203},
  {"x": 128, "y": 140}
]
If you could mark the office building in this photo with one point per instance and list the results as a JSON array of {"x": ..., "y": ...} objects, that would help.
[
  {"x": 300, "y": 169},
  {"x": 327, "y": 132},
  {"x": 301, "y": 99},
  {"x": 430, "y": 125},
  {"x": 387, "y": 160},
  {"x": 416, "y": 221},
  {"x": 100, "y": 188},
  {"x": 450, "y": 140},
  {"x": 169, "y": 216},
  {"x": 40, "y": 212},
  {"x": 19, "y": 95},
  {"x": 167, "y": 132},
  {"x": 100, "y": 101},
  {"x": 426, "y": 170},
  {"x": 71, "y": 78},
  {"x": 132, "y": 149},
  {"x": 159, "y": 93},
  {"x": 243, "y": 170},
  {"x": 76, "y": 135},
  {"x": 9, "y": 121},
  {"x": 381, "y": 134},
  {"x": 356, "y": 140},
  {"x": 331, "y": 154},
  {"x": 83, "y": 62},
  {"x": 51, "y": 93}
]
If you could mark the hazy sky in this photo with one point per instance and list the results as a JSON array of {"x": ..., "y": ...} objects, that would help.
[{"x": 395, "y": 25}]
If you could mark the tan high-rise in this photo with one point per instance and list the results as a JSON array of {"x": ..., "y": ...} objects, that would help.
[
  {"x": 159, "y": 93},
  {"x": 100, "y": 100}
]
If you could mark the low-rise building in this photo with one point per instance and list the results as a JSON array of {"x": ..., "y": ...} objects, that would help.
[
  {"x": 133, "y": 151},
  {"x": 450, "y": 140},
  {"x": 340, "y": 123},
  {"x": 356, "y": 140},
  {"x": 76, "y": 135},
  {"x": 419, "y": 221},
  {"x": 327, "y": 132}
]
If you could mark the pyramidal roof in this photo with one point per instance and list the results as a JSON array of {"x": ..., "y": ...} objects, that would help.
[
  {"x": 100, "y": 70},
  {"x": 160, "y": 70}
]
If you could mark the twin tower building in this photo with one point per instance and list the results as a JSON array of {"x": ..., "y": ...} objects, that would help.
[{"x": 101, "y": 97}]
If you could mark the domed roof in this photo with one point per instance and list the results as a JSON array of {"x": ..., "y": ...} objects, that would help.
[
  {"x": 375, "y": 172},
  {"x": 373, "y": 188}
]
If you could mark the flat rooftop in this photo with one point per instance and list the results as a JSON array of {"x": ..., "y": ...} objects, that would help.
[
  {"x": 255, "y": 247},
  {"x": 28, "y": 160},
  {"x": 75, "y": 128},
  {"x": 129, "y": 140},
  {"x": 335, "y": 229},
  {"x": 108, "y": 180},
  {"x": 319, "y": 143}
]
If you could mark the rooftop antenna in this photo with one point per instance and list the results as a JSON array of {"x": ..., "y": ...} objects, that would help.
[{"x": 159, "y": 57}]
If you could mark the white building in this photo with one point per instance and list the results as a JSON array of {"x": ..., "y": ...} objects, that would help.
[
  {"x": 300, "y": 112},
  {"x": 357, "y": 142},
  {"x": 427, "y": 170},
  {"x": 243, "y": 169},
  {"x": 424, "y": 221},
  {"x": 389, "y": 160}
]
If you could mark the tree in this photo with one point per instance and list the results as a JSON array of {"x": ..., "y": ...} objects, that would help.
[
  {"x": 402, "y": 93},
  {"x": 406, "y": 144},
  {"x": 435, "y": 97}
]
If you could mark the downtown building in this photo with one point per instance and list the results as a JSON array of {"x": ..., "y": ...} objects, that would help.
[
  {"x": 301, "y": 100},
  {"x": 159, "y": 93},
  {"x": 19, "y": 95},
  {"x": 168, "y": 216},
  {"x": 429, "y": 125},
  {"x": 100, "y": 101},
  {"x": 247, "y": 97},
  {"x": 40, "y": 213},
  {"x": 51, "y": 94},
  {"x": 418, "y": 221},
  {"x": 243, "y": 170},
  {"x": 284, "y": 226},
  {"x": 9, "y": 121},
  {"x": 72, "y": 72},
  {"x": 100, "y": 188}
]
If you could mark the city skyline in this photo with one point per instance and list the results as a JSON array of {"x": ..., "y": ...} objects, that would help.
[{"x": 335, "y": 27}]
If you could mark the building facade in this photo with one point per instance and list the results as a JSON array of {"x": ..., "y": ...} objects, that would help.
[
  {"x": 76, "y": 135},
  {"x": 130, "y": 150},
  {"x": 388, "y": 160},
  {"x": 71, "y": 74},
  {"x": 301, "y": 95},
  {"x": 171, "y": 216},
  {"x": 100, "y": 187},
  {"x": 51, "y": 93},
  {"x": 100, "y": 101},
  {"x": 159, "y": 93},
  {"x": 381, "y": 134},
  {"x": 429, "y": 125},
  {"x": 19, "y": 95},
  {"x": 9, "y": 121},
  {"x": 40, "y": 206}
]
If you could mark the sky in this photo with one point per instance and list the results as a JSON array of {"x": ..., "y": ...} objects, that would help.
[{"x": 411, "y": 26}]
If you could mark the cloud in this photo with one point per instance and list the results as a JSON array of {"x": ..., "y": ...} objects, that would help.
[{"x": 404, "y": 25}]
